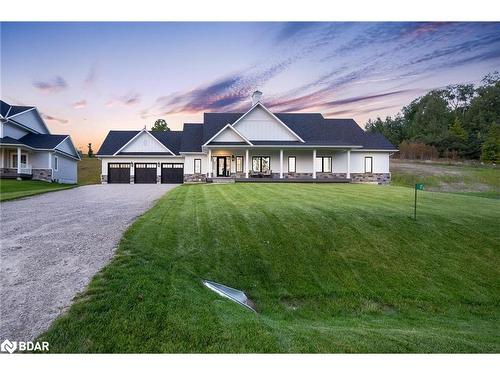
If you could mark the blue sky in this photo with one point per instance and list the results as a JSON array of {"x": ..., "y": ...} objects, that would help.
[{"x": 88, "y": 78}]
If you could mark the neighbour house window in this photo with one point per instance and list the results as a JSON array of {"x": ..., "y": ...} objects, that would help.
[
  {"x": 24, "y": 160},
  {"x": 197, "y": 165},
  {"x": 239, "y": 164},
  {"x": 291, "y": 164},
  {"x": 324, "y": 164},
  {"x": 56, "y": 163},
  {"x": 261, "y": 163},
  {"x": 368, "y": 164}
]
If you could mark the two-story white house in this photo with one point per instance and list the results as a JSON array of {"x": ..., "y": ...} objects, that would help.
[
  {"x": 257, "y": 145},
  {"x": 29, "y": 151}
]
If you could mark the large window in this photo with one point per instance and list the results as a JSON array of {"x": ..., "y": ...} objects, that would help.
[
  {"x": 324, "y": 164},
  {"x": 261, "y": 163},
  {"x": 292, "y": 164},
  {"x": 368, "y": 164},
  {"x": 239, "y": 164},
  {"x": 197, "y": 165}
]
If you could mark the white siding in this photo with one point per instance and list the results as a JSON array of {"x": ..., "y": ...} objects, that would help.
[
  {"x": 228, "y": 135},
  {"x": 67, "y": 147},
  {"x": 380, "y": 162},
  {"x": 31, "y": 120},
  {"x": 259, "y": 125},
  {"x": 189, "y": 163},
  {"x": 13, "y": 131},
  {"x": 67, "y": 170},
  {"x": 145, "y": 143}
]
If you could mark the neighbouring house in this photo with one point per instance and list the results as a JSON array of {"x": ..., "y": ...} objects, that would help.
[
  {"x": 29, "y": 151},
  {"x": 257, "y": 145}
]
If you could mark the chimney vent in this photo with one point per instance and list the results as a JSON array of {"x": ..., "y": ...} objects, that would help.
[{"x": 256, "y": 97}]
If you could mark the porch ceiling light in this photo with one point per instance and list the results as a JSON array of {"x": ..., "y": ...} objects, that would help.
[{"x": 233, "y": 294}]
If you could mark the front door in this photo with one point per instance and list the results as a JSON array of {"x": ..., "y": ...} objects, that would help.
[{"x": 221, "y": 166}]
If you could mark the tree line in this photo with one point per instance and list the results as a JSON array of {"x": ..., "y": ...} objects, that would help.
[{"x": 460, "y": 121}]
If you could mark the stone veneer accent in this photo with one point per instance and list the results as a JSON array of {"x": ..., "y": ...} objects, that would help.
[
  {"x": 104, "y": 179},
  {"x": 239, "y": 175},
  {"x": 42, "y": 174},
  {"x": 195, "y": 177},
  {"x": 378, "y": 178},
  {"x": 297, "y": 175},
  {"x": 323, "y": 175}
]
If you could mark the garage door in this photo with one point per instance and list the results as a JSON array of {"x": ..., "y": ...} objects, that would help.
[
  {"x": 119, "y": 173},
  {"x": 145, "y": 173},
  {"x": 172, "y": 173}
]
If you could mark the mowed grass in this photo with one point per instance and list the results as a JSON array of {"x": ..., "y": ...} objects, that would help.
[
  {"x": 89, "y": 171},
  {"x": 331, "y": 268},
  {"x": 13, "y": 189}
]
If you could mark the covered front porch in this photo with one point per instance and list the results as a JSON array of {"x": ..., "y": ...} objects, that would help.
[
  {"x": 14, "y": 162},
  {"x": 261, "y": 164}
]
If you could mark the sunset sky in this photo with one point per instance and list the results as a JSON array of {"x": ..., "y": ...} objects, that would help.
[{"x": 88, "y": 78}]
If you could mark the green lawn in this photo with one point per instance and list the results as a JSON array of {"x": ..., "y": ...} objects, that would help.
[
  {"x": 13, "y": 189},
  {"x": 331, "y": 268}
]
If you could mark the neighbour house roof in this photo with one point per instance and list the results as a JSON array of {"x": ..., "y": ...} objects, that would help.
[
  {"x": 10, "y": 110},
  {"x": 43, "y": 141},
  {"x": 313, "y": 128}
]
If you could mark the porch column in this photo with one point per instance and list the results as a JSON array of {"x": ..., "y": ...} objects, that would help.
[
  {"x": 158, "y": 173},
  {"x": 19, "y": 160},
  {"x": 348, "y": 163},
  {"x": 246, "y": 163},
  {"x": 281, "y": 163},
  {"x": 50, "y": 160},
  {"x": 209, "y": 163},
  {"x": 314, "y": 163}
]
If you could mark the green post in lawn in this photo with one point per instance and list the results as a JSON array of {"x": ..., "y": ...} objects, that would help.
[{"x": 417, "y": 187}]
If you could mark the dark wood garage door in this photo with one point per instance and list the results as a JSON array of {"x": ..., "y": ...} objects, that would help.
[
  {"x": 172, "y": 173},
  {"x": 145, "y": 173},
  {"x": 119, "y": 173}
]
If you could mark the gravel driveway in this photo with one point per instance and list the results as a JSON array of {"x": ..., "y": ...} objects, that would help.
[{"x": 52, "y": 244}]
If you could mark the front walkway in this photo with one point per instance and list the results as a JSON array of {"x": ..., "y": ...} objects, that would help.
[{"x": 52, "y": 245}]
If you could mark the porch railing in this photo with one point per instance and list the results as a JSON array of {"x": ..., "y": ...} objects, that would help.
[{"x": 26, "y": 169}]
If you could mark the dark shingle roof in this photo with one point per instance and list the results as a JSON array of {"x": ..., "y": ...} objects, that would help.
[
  {"x": 14, "y": 109},
  {"x": 313, "y": 128},
  {"x": 192, "y": 138},
  {"x": 9, "y": 141},
  {"x": 46, "y": 141},
  {"x": 116, "y": 139}
]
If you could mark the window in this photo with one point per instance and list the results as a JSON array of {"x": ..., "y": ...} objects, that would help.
[
  {"x": 24, "y": 160},
  {"x": 291, "y": 164},
  {"x": 239, "y": 164},
  {"x": 197, "y": 165},
  {"x": 324, "y": 164},
  {"x": 56, "y": 163},
  {"x": 261, "y": 163},
  {"x": 368, "y": 164}
]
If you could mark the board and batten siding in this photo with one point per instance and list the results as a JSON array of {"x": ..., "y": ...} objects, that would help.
[
  {"x": 189, "y": 163},
  {"x": 259, "y": 125},
  {"x": 145, "y": 142},
  {"x": 228, "y": 135},
  {"x": 65, "y": 146}
]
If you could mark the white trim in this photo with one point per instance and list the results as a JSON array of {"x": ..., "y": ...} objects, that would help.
[
  {"x": 39, "y": 116},
  {"x": 374, "y": 150},
  {"x": 7, "y": 114},
  {"x": 272, "y": 115},
  {"x": 224, "y": 128},
  {"x": 348, "y": 175},
  {"x": 281, "y": 163},
  {"x": 314, "y": 163},
  {"x": 193, "y": 153},
  {"x": 20, "y": 113},
  {"x": 155, "y": 156},
  {"x": 135, "y": 136},
  {"x": 286, "y": 146}
]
